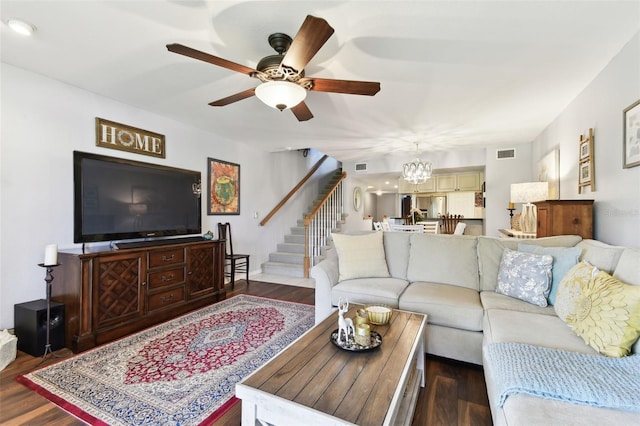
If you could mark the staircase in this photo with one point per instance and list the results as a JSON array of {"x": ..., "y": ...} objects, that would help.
[{"x": 288, "y": 260}]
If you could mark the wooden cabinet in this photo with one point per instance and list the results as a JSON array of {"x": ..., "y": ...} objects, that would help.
[
  {"x": 112, "y": 293},
  {"x": 428, "y": 186},
  {"x": 444, "y": 183},
  {"x": 565, "y": 217},
  {"x": 459, "y": 182}
]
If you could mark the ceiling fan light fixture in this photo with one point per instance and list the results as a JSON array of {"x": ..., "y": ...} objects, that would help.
[{"x": 281, "y": 94}]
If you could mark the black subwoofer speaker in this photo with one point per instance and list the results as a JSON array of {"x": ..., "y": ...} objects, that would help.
[{"x": 30, "y": 320}]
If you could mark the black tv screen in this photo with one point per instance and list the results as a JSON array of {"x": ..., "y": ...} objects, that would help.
[{"x": 118, "y": 199}]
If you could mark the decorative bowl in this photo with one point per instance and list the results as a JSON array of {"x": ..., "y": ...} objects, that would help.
[{"x": 378, "y": 314}]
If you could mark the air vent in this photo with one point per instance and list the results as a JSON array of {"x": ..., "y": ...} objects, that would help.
[
  {"x": 503, "y": 154},
  {"x": 361, "y": 167}
]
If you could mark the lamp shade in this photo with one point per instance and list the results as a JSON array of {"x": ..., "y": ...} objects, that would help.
[
  {"x": 529, "y": 192},
  {"x": 281, "y": 94}
]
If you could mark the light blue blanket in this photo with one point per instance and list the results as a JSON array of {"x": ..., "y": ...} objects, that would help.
[{"x": 593, "y": 380}]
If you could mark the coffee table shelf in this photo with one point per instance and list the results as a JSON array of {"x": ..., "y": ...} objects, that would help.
[{"x": 313, "y": 382}]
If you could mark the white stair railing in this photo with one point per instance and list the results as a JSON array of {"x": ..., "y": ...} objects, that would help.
[{"x": 319, "y": 223}]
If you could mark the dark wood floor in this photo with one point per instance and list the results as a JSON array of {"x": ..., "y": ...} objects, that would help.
[{"x": 455, "y": 393}]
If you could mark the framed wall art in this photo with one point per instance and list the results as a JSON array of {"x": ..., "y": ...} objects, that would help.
[
  {"x": 548, "y": 171},
  {"x": 223, "y": 187},
  {"x": 631, "y": 136},
  {"x": 586, "y": 167}
]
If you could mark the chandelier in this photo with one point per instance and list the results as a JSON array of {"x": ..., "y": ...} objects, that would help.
[{"x": 416, "y": 171}]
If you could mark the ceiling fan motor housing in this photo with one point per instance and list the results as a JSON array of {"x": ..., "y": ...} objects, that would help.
[{"x": 280, "y": 42}]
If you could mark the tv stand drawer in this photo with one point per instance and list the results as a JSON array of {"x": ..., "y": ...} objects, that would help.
[
  {"x": 166, "y": 277},
  {"x": 160, "y": 258},
  {"x": 166, "y": 298}
]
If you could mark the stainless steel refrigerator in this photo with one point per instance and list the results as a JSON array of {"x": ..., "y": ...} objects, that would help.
[{"x": 432, "y": 206}]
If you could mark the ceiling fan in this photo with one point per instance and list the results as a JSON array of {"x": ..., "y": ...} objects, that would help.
[{"x": 284, "y": 85}]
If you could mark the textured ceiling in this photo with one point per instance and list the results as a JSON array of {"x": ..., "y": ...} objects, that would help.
[{"x": 454, "y": 75}]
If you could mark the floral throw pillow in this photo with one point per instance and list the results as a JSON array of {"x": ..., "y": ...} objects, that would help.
[
  {"x": 525, "y": 276},
  {"x": 606, "y": 314}
]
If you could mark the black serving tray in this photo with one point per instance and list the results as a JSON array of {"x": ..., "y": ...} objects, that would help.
[{"x": 352, "y": 346}]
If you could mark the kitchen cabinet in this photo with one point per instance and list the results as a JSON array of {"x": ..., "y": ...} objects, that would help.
[{"x": 458, "y": 182}]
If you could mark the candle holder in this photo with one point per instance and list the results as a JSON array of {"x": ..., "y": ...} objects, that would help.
[
  {"x": 48, "y": 279},
  {"x": 511, "y": 217}
]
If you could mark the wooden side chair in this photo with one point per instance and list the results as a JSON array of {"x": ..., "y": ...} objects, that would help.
[
  {"x": 449, "y": 222},
  {"x": 236, "y": 262}
]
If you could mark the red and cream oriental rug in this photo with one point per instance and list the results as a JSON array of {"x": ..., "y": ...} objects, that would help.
[{"x": 181, "y": 372}]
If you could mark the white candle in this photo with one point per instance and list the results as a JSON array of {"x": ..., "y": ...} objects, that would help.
[{"x": 51, "y": 255}]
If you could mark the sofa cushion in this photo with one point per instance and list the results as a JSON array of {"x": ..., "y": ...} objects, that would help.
[
  {"x": 446, "y": 259},
  {"x": 446, "y": 305},
  {"x": 628, "y": 266},
  {"x": 534, "y": 329},
  {"x": 490, "y": 253},
  {"x": 606, "y": 314},
  {"x": 369, "y": 290},
  {"x": 396, "y": 249},
  {"x": 525, "y": 276},
  {"x": 360, "y": 255},
  {"x": 564, "y": 258},
  {"x": 492, "y": 300},
  {"x": 601, "y": 255}
]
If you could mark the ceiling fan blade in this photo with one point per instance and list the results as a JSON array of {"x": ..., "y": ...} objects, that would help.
[
  {"x": 202, "y": 56},
  {"x": 302, "y": 112},
  {"x": 312, "y": 35},
  {"x": 350, "y": 87},
  {"x": 234, "y": 98}
]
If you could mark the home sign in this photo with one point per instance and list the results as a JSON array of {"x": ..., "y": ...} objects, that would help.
[{"x": 110, "y": 134}]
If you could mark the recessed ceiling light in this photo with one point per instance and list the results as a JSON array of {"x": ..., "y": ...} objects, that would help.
[
  {"x": 21, "y": 27},
  {"x": 386, "y": 182}
]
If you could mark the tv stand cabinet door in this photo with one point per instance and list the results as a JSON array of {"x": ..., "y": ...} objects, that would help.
[
  {"x": 119, "y": 289},
  {"x": 204, "y": 276}
]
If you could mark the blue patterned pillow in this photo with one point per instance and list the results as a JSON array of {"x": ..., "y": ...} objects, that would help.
[{"x": 525, "y": 276}]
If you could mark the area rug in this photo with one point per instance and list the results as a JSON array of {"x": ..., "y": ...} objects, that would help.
[{"x": 181, "y": 372}]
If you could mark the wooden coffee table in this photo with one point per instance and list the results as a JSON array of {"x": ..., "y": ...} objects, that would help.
[{"x": 313, "y": 382}]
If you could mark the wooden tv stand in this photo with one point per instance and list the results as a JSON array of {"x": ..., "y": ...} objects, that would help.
[{"x": 109, "y": 294}]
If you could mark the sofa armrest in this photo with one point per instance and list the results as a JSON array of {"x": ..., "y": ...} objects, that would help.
[{"x": 326, "y": 274}]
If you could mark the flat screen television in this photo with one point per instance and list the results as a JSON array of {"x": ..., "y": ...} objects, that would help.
[{"x": 116, "y": 199}]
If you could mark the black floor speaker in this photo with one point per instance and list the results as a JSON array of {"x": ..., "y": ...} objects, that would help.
[{"x": 30, "y": 320}]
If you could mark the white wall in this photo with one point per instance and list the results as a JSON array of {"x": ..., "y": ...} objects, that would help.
[
  {"x": 498, "y": 176},
  {"x": 44, "y": 120},
  {"x": 600, "y": 106}
]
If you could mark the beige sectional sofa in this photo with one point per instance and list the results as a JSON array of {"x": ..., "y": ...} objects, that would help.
[{"x": 453, "y": 280}]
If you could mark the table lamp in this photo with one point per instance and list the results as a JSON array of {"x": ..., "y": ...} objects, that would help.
[{"x": 527, "y": 193}]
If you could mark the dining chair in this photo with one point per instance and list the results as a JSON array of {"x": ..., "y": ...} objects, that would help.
[
  {"x": 460, "y": 227},
  {"x": 449, "y": 222},
  {"x": 430, "y": 227},
  {"x": 236, "y": 262}
]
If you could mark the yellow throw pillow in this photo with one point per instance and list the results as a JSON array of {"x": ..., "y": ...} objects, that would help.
[
  {"x": 607, "y": 315},
  {"x": 570, "y": 288}
]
